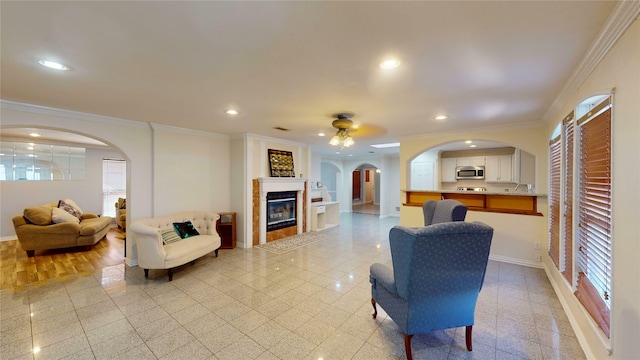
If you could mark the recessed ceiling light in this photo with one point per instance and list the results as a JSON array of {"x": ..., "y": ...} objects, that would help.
[
  {"x": 468, "y": 142},
  {"x": 350, "y": 154},
  {"x": 390, "y": 64},
  {"x": 34, "y": 135},
  {"x": 387, "y": 145},
  {"x": 231, "y": 112},
  {"x": 337, "y": 152},
  {"x": 473, "y": 145},
  {"x": 53, "y": 65},
  {"x": 442, "y": 117},
  {"x": 321, "y": 134}
]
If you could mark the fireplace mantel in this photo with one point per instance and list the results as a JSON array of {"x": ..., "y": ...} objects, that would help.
[{"x": 276, "y": 184}]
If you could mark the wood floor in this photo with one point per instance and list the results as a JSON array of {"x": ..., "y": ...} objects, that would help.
[{"x": 17, "y": 270}]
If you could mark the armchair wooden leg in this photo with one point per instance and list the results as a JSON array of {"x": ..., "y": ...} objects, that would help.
[
  {"x": 407, "y": 346},
  {"x": 31, "y": 253},
  {"x": 375, "y": 310},
  {"x": 216, "y": 251},
  {"x": 170, "y": 274},
  {"x": 146, "y": 273},
  {"x": 468, "y": 337}
]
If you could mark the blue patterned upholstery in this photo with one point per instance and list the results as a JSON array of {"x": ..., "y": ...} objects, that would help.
[
  {"x": 437, "y": 273},
  {"x": 436, "y": 212}
]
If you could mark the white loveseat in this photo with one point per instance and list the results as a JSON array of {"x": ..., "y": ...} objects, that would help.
[{"x": 154, "y": 254}]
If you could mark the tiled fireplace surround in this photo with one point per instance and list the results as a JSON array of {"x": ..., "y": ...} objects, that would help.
[{"x": 262, "y": 186}]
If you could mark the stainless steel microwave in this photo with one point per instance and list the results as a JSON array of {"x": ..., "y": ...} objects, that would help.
[{"x": 470, "y": 172}]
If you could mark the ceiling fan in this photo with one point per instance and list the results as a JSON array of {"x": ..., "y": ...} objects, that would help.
[{"x": 344, "y": 125}]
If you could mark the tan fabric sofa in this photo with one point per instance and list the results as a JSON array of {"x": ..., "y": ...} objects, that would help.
[
  {"x": 36, "y": 231},
  {"x": 154, "y": 254}
]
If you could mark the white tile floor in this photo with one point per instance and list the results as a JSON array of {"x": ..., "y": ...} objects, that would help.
[{"x": 312, "y": 303}]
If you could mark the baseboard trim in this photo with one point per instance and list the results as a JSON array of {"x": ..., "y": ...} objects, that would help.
[
  {"x": 130, "y": 263},
  {"x": 8, "y": 238},
  {"x": 516, "y": 261}
]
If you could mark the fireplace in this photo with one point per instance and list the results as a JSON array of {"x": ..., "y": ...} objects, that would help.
[{"x": 281, "y": 210}]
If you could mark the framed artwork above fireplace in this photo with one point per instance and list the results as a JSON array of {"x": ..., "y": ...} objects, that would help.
[{"x": 281, "y": 163}]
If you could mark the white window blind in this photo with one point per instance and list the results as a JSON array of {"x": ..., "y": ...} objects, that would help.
[
  {"x": 114, "y": 184},
  {"x": 567, "y": 213},
  {"x": 554, "y": 199}
]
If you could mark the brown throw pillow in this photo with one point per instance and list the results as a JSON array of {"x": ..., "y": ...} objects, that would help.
[{"x": 38, "y": 215}]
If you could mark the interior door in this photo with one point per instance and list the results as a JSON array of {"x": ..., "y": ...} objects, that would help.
[{"x": 356, "y": 194}]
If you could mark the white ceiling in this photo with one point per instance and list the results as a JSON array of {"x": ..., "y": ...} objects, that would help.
[{"x": 295, "y": 64}]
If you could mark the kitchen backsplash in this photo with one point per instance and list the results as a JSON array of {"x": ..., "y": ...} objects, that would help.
[{"x": 491, "y": 187}]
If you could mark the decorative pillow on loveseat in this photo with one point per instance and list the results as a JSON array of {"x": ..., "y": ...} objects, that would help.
[
  {"x": 169, "y": 236},
  {"x": 59, "y": 215},
  {"x": 71, "y": 207},
  {"x": 185, "y": 229},
  {"x": 38, "y": 215}
]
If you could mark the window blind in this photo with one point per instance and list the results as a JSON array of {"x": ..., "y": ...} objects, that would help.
[
  {"x": 567, "y": 229},
  {"x": 554, "y": 199},
  {"x": 594, "y": 214}
]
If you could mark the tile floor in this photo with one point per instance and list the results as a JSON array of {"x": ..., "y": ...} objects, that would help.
[{"x": 312, "y": 303}]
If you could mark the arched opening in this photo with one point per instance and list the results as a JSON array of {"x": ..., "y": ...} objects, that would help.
[
  {"x": 365, "y": 189},
  {"x": 87, "y": 190},
  {"x": 496, "y": 166}
]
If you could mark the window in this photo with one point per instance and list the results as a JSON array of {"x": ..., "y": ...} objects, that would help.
[
  {"x": 567, "y": 197},
  {"x": 554, "y": 199},
  {"x": 580, "y": 205},
  {"x": 114, "y": 184},
  {"x": 594, "y": 213}
]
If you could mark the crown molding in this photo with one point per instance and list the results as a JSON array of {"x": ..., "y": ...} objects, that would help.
[
  {"x": 251, "y": 136},
  {"x": 179, "y": 130},
  {"x": 45, "y": 110},
  {"x": 618, "y": 22}
]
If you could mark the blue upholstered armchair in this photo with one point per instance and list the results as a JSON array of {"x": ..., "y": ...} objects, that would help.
[
  {"x": 436, "y": 212},
  {"x": 437, "y": 273}
]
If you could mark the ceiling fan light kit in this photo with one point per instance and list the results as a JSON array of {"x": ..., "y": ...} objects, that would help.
[{"x": 343, "y": 124}]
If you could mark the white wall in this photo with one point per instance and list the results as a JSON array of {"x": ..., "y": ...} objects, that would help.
[
  {"x": 389, "y": 185},
  {"x": 189, "y": 169},
  {"x": 620, "y": 69}
]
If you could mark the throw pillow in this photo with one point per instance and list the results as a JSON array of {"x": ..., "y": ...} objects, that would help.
[
  {"x": 169, "y": 236},
  {"x": 59, "y": 215},
  {"x": 38, "y": 215},
  {"x": 185, "y": 229},
  {"x": 68, "y": 206}
]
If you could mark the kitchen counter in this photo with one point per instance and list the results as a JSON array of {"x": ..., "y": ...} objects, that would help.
[
  {"x": 512, "y": 193},
  {"x": 520, "y": 203}
]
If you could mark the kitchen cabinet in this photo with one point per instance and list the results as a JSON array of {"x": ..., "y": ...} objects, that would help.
[
  {"x": 499, "y": 169},
  {"x": 471, "y": 161},
  {"x": 524, "y": 167},
  {"x": 448, "y": 170}
]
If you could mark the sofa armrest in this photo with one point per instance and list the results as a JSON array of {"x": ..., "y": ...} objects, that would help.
[
  {"x": 89, "y": 216},
  {"x": 382, "y": 275},
  {"x": 151, "y": 252}
]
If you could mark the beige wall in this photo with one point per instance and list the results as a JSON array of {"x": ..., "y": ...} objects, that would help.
[{"x": 620, "y": 69}]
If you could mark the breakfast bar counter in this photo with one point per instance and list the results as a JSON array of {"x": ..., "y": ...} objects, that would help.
[{"x": 507, "y": 202}]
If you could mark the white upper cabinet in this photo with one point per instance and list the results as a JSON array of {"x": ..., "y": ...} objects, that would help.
[
  {"x": 448, "y": 170},
  {"x": 471, "y": 161},
  {"x": 499, "y": 168}
]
